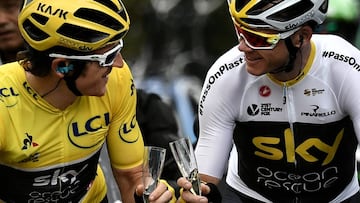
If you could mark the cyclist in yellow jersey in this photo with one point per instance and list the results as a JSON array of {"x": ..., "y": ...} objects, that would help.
[{"x": 71, "y": 92}]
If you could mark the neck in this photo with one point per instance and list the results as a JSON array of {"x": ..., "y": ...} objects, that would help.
[
  {"x": 300, "y": 61},
  {"x": 52, "y": 89}
]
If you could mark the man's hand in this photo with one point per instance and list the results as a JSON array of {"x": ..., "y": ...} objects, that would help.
[
  {"x": 187, "y": 196},
  {"x": 163, "y": 193}
]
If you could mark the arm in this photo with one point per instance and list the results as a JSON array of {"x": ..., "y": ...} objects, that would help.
[
  {"x": 125, "y": 143},
  {"x": 127, "y": 180}
]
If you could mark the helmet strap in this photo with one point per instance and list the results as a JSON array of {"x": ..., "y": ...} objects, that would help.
[
  {"x": 292, "y": 56},
  {"x": 70, "y": 81}
]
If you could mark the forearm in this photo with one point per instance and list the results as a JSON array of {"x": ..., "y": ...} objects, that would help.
[
  {"x": 127, "y": 180},
  {"x": 209, "y": 179}
]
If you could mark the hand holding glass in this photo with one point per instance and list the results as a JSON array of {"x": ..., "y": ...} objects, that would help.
[
  {"x": 184, "y": 156},
  {"x": 154, "y": 159}
]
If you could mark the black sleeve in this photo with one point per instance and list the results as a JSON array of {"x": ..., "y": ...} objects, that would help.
[{"x": 159, "y": 127}]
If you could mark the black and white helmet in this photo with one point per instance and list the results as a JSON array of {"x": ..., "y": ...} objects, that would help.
[{"x": 280, "y": 15}]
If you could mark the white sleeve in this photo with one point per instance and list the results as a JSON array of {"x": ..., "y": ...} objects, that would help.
[
  {"x": 349, "y": 98},
  {"x": 218, "y": 107}
]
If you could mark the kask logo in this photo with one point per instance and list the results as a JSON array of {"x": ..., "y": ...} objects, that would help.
[{"x": 44, "y": 8}]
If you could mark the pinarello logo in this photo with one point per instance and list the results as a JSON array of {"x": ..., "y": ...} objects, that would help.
[{"x": 264, "y": 91}]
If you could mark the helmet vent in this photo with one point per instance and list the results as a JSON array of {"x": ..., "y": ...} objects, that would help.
[
  {"x": 34, "y": 32},
  {"x": 115, "y": 8},
  {"x": 253, "y": 21},
  {"x": 81, "y": 33},
  {"x": 109, "y": 4},
  {"x": 40, "y": 18},
  {"x": 324, "y": 7},
  {"x": 118, "y": 37},
  {"x": 293, "y": 11},
  {"x": 240, "y": 4},
  {"x": 99, "y": 17},
  {"x": 263, "y": 6},
  {"x": 122, "y": 13}
]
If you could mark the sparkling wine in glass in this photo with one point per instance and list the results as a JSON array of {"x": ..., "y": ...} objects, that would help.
[{"x": 184, "y": 156}]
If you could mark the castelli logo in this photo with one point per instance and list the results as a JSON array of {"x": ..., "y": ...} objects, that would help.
[{"x": 264, "y": 91}]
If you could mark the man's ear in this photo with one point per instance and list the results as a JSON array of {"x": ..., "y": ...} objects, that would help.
[
  {"x": 302, "y": 36},
  {"x": 61, "y": 66}
]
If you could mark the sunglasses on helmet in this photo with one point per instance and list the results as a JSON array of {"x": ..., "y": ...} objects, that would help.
[
  {"x": 259, "y": 40},
  {"x": 105, "y": 59}
]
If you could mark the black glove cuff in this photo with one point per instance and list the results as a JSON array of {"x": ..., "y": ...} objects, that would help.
[
  {"x": 138, "y": 199},
  {"x": 214, "y": 195}
]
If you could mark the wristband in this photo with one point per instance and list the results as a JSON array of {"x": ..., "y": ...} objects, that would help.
[
  {"x": 138, "y": 199},
  {"x": 214, "y": 196}
]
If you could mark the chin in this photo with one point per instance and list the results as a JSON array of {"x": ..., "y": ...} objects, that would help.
[{"x": 255, "y": 71}]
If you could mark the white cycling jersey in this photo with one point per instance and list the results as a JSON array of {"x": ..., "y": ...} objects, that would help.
[{"x": 295, "y": 140}]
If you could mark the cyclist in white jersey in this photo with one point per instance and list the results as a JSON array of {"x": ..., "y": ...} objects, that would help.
[{"x": 288, "y": 100}]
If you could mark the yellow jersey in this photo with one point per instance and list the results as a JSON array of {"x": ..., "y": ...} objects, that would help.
[{"x": 51, "y": 155}]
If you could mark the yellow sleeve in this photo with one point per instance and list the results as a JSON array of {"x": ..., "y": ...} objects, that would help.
[
  {"x": 3, "y": 122},
  {"x": 125, "y": 142}
]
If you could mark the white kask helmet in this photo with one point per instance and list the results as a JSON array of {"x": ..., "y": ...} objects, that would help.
[{"x": 280, "y": 15}]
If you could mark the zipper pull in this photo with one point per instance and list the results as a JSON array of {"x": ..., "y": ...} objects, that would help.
[{"x": 284, "y": 93}]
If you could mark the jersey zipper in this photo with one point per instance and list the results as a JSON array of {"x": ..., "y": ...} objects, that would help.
[
  {"x": 288, "y": 104},
  {"x": 284, "y": 93},
  {"x": 289, "y": 108}
]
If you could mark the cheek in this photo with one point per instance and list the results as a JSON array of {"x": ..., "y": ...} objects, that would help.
[
  {"x": 87, "y": 75},
  {"x": 278, "y": 57}
]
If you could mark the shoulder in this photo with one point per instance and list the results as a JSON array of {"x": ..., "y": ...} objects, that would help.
[
  {"x": 121, "y": 79},
  {"x": 13, "y": 69},
  {"x": 121, "y": 91},
  {"x": 334, "y": 51},
  {"x": 333, "y": 44},
  {"x": 121, "y": 73},
  {"x": 225, "y": 66},
  {"x": 225, "y": 82}
]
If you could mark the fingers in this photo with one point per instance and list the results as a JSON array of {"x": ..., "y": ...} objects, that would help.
[
  {"x": 205, "y": 189},
  {"x": 189, "y": 197},
  {"x": 182, "y": 182},
  {"x": 139, "y": 190},
  {"x": 160, "y": 194},
  {"x": 165, "y": 197}
]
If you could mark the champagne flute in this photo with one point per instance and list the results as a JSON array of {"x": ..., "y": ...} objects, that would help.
[
  {"x": 184, "y": 156},
  {"x": 154, "y": 159}
]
